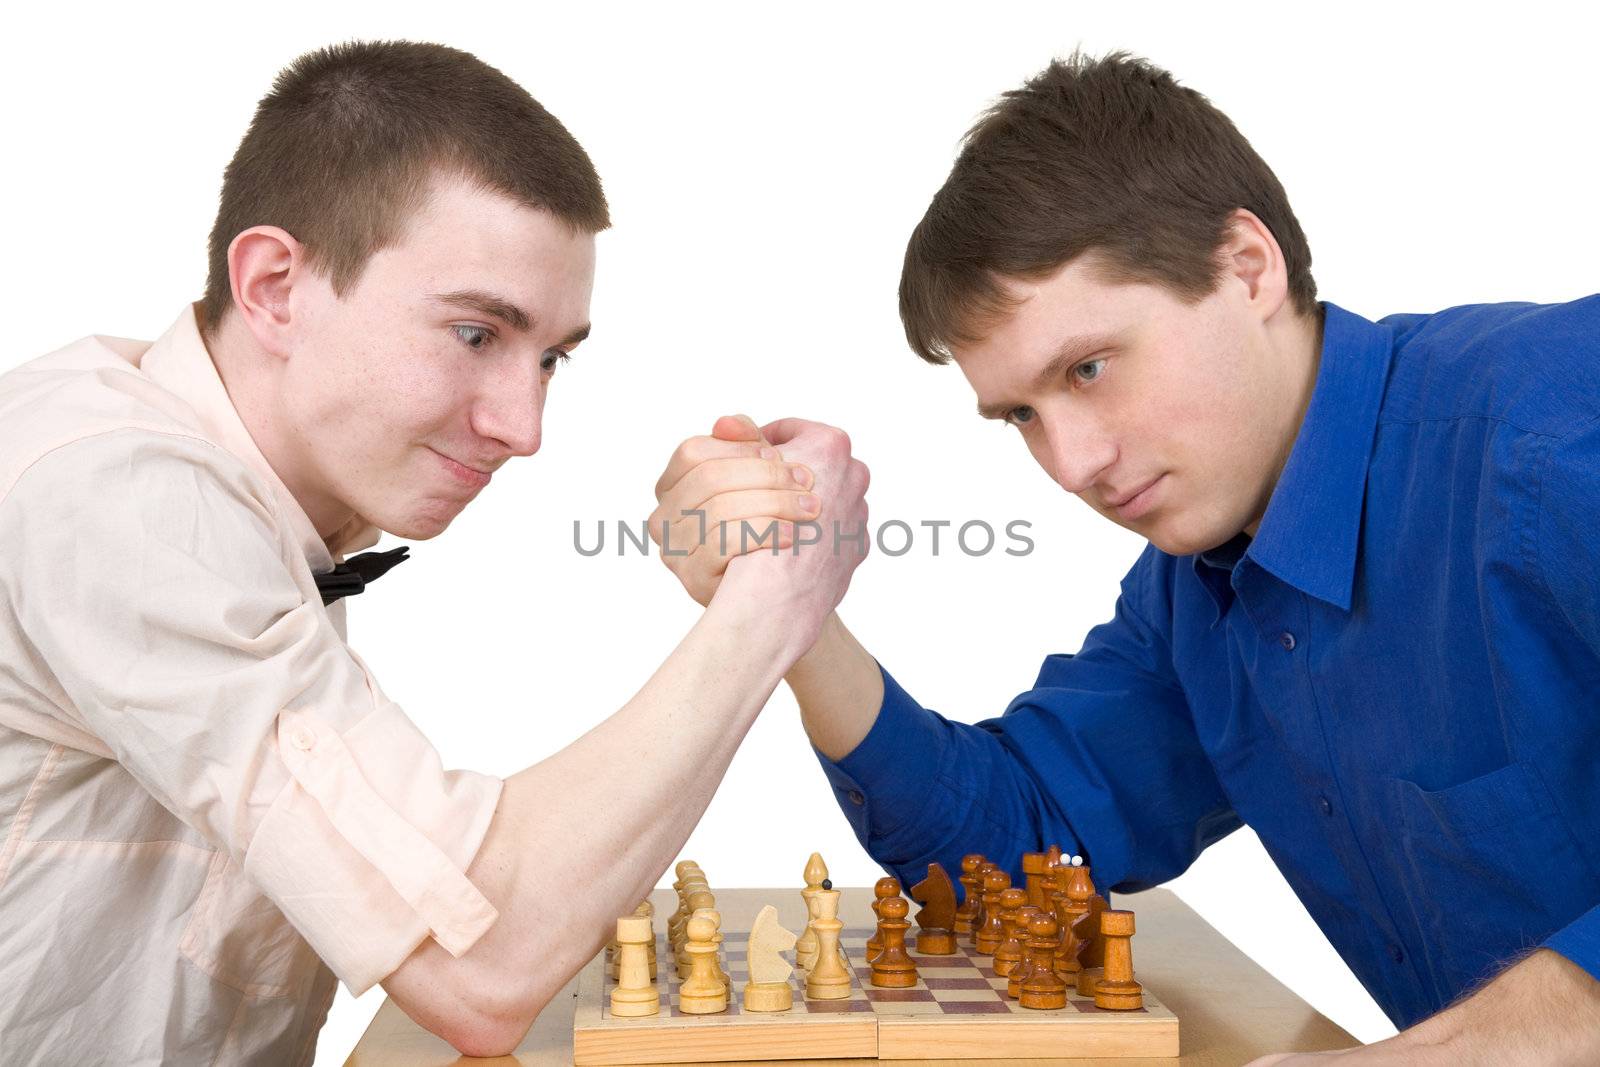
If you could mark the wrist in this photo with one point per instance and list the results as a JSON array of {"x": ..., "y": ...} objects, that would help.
[
  {"x": 822, "y": 655},
  {"x": 771, "y": 618}
]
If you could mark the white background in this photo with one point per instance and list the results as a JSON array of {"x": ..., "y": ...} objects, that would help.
[{"x": 764, "y": 168}]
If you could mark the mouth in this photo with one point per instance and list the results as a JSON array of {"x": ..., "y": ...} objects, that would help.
[
  {"x": 1138, "y": 502},
  {"x": 468, "y": 476}
]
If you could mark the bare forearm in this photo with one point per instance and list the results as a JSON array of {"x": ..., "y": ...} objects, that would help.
[
  {"x": 1543, "y": 1010},
  {"x": 839, "y": 689},
  {"x": 580, "y": 837}
]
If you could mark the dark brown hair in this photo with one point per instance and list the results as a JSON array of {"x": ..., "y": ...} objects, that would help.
[
  {"x": 1110, "y": 156},
  {"x": 345, "y": 147}
]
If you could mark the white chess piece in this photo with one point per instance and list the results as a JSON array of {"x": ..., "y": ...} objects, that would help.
[{"x": 768, "y": 988}]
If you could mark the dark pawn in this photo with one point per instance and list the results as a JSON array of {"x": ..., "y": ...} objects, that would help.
[
  {"x": 991, "y": 929},
  {"x": 1008, "y": 953},
  {"x": 971, "y": 886},
  {"x": 892, "y": 968},
  {"x": 1025, "y": 916},
  {"x": 883, "y": 890},
  {"x": 1041, "y": 987}
]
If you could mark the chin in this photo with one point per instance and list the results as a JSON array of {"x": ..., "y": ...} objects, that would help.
[
  {"x": 1176, "y": 538},
  {"x": 414, "y": 524},
  {"x": 425, "y": 529}
]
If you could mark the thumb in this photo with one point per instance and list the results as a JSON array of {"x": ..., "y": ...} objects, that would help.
[{"x": 737, "y": 428}]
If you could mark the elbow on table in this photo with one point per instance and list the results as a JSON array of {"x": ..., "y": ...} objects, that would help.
[
  {"x": 483, "y": 1035},
  {"x": 478, "y": 1015},
  {"x": 490, "y": 1029}
]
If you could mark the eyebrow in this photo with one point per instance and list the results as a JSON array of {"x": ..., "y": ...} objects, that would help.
[
  {"x": 1067, "y": 353},
  {"x": 504, "y": 310}
]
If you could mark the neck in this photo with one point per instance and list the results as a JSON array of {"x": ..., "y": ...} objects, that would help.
[
  {"x": 254, "y": 380},
  {"x": 1296, "y": 341}
]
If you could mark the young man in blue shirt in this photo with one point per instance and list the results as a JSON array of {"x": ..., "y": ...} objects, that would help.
[{"x": 1368, "y": 620}]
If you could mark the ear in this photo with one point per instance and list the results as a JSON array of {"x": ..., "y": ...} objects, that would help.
[
  {"x": 1255, "y": 261},
  {"x": 263, "y": 264}
]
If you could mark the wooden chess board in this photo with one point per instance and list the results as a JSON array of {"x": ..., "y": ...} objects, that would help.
[{"x": 957, "y": 1010}]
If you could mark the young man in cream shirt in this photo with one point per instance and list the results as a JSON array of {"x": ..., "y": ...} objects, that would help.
[{"x": 210, "y": 812}]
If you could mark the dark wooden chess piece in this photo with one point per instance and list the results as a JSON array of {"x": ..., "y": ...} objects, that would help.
[
  {"x": 936, "y": 919},
  {"x": 1067, "y": 912},
  {"x": 1008, "y": 953},
  {"x": 1025, "y": 916},
  {"x": 971, "y": 890},
  {"x": 1118, "y": 991},
  {"x": 893, "y": 968},
  {"x": 1041, "y": 987},
  {"x": 990, "y": 927},
  {"x": 1034, "y": 867},
  {"x": 883, "y": 890}
]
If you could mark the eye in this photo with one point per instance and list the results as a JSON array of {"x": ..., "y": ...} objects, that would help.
[
  {"x": 553, "y": 359},
  {"x": 474, "y": 337},
  {"x": 1089, "y": 370},
  {"x": 1019, "y": 415}
]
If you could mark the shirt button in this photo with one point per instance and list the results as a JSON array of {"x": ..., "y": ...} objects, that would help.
[
  {"x": 1286, "y": 639},
  {"x": 1396, "y": 954},
  {"x": 303, "y": 738},
  {"x": 856, "y": 798},
  {"x": 1325, "y": 804}
]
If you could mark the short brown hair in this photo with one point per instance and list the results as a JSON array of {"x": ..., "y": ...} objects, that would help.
[
  {"x": 345, "y": 147},
  {"x": 1110, "y": 156}
]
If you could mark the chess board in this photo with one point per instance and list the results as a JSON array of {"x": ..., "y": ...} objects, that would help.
[{"x": 957, "y": 1010}]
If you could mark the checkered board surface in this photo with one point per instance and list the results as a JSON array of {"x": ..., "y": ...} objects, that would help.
[{"x": 950, "y": 991}]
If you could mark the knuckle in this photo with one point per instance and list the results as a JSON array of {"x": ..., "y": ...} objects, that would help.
[{"x": 696, "y": 449}]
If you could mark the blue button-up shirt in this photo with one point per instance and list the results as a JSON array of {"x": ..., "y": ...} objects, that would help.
[{"x": 1396, "y": 683}]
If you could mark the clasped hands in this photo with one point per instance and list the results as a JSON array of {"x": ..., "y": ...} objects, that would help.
[{"x": 778, "y": 510}]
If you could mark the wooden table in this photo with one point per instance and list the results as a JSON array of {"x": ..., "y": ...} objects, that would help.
[{"x": 1229, "y": 1009}]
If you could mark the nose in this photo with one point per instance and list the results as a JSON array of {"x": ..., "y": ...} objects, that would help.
[
  {"x": 1078, "y": 451},
  {"x": 511, "y": 408}
]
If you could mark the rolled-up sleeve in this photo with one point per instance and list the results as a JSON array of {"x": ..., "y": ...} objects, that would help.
[
  {"x": 153, "y": 579},
  {"x": 1579, "y": 941}
]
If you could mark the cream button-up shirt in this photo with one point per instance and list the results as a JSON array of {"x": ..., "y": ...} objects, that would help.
[{"x": 209, "y": 811}]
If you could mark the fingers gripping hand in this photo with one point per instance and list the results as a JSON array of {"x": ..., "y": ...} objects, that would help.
[
  {"x": 812, "y": 577},
  {"x": 722, "y": 495}
]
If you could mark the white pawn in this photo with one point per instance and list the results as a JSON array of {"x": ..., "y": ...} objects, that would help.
[
  {"x": 703, "y": 991},
  {"x": 700, "y": 899}
]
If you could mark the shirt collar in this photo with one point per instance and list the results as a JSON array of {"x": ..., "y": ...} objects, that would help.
[
  {"x": 1311, "y": 531},
  {"x": 180, "y": 363}
]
